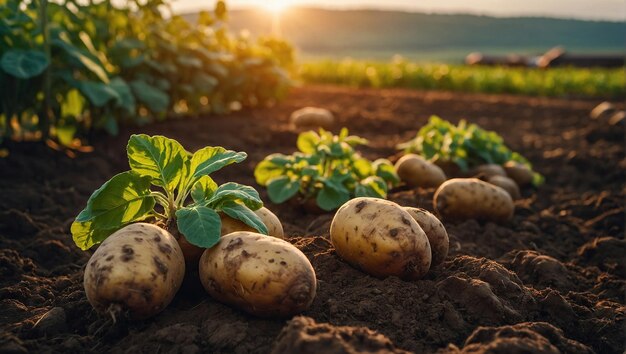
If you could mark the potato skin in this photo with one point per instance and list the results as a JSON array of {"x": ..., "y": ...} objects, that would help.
[
  {"x": 435, "y": 231},
  {"x": 415, "y": 171},
  {"x": 471, "y": 198},
  {"x": 264, "y": 276},
  {"x": 312, "y": 118},
  {"x": 507, "y": 184},
  {"x": 519, "y": 173},
  {"x": 380, "y": 238},
  {"x": 137, "y": 269}
]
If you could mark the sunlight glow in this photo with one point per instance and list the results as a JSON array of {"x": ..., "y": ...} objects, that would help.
[{"x": 276, "y": 6}]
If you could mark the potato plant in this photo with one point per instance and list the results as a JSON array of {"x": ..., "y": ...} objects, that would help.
[
  {"x": 464, "y": 145},
  {"x": 326, "y": 169},
  {"x": 167, "y": 184}
]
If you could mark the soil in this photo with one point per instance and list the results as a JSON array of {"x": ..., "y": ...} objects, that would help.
[{"x": 551, "y": 280}]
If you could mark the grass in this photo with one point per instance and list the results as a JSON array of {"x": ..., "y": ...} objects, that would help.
[{"x": 555, "y": 82}]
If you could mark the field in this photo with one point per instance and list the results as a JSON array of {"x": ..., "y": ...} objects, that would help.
[
  {"x": 560, "y": 82},
  {"x": 551, "y": 280}
]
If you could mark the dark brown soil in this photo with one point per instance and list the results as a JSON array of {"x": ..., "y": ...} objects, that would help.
[{"x": 552, "y": 280}]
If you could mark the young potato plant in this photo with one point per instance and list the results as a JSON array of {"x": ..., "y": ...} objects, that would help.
[
  {"x": 328, "y": 169},
  {"x": 166, "y": 184},
  {"x": 465, "y": 145}
]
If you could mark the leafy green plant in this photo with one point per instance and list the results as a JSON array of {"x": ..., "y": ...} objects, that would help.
[
  {"x": 166, "y": 184},
  {"x": 326, "y": 168},
  {"x": 70, "y": 67},
  {"x": 465, "y": 145}
]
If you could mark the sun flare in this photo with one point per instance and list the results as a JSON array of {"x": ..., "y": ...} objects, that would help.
[{"x": 276, "y": 6}]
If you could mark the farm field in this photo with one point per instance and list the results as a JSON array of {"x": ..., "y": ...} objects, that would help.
[{"x": 553, "y": 279}]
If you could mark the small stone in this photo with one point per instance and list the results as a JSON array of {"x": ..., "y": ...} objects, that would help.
[{"x": 52, "y": 322}]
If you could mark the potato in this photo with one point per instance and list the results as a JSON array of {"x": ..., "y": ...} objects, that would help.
[
  {"x": 262, "y": 275},
  {"x": 229, "y": 225},
  {"x": 488, "y": 170},
  {"x": 137, "y": 269},
  {"x": 312, "y": 118},
  {"x": 415, "y": 171},
  {"x": 271, "y": 221},
  {"x": 380, "y": 238},
  {"x": 435, "y": 231},
  {"x": 507, "y": 184},
  {"x": 521, "y": 174},
  {"x": 471, "y": 198}
]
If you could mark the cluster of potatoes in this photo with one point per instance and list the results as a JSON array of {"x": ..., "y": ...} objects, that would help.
[
  {"x": 139, "y": 269},
  {"x": 487, "y": 193},
  {"x": 384, "y": 239}
]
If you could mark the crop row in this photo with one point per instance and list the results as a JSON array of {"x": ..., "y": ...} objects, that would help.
[
  {"x": 594, "y": 82},
  {"x": 70, "y": 67}
]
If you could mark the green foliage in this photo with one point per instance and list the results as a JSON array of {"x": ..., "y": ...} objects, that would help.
[
  {"x": 466, "y": 145},
  {"x": 326, "y": 168},
  {"x": 125, "y": 62},
  {"x": 162, "y": 177},
  {"x": 560, "y": 82}
]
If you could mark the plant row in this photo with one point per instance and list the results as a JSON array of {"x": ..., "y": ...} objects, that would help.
[
  {"x": 560, "y": 82},
  {"x": 70, "y": 67}
]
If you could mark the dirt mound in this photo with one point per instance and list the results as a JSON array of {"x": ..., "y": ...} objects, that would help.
[{"x": 551, "y": 280}]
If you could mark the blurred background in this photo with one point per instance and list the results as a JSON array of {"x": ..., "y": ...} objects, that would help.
[{"x": 429, "y": 30}]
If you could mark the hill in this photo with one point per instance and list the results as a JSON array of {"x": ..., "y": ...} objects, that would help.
[{"x": 375, "y": 34}]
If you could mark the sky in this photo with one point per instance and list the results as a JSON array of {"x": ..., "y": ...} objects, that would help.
[{"x": 614, "y": 10}]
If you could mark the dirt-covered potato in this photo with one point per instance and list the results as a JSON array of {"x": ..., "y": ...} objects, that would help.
[
  {"x": 507, "y": 184},
  {"x": 312, "y": 118},
  {"x": 471, "y": 198},
  {"x": 488, "y": 170},
  {"x": 381, "y": 238},
  {"x": 521, "y": 174},
  {"x": 137, "y": 270},
  {"x": 415, "y": 171},
  {"x": 262, "y": 275},
  {"x": 435, "y": 231}
]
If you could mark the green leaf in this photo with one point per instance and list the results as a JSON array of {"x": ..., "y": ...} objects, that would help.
[
  {"x": 158, "y": 157},
  {"x": 236, "y": 192},
  {"x": 267, "y": 170},
  {"x": 200, "y": 225},
  {"x": 85, "y": 235},
  {"x": 81, "y": 57},
  {"x": 24, "y": 64},
  {"x": 204, "y": 189},
  {"x": 98, "y": 93},
  {"x": 244, "y": 214},
  {"x": 210, "y": 159},
  {"x": 307, "y": 142},
  {"x": 156, "y": 100},
  {"x": 374, "y": 186},
  {"x": 386, "y": 171},
  {"x": 73, "y": 105},
  {"x": 126, "y": 99},
  {"x": 329, "y": 198},
  {"x": 282, "y": 188},
  {"x": 125, "y": 198}
]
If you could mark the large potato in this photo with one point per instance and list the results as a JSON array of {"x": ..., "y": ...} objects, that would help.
[
  {"x": 262, "y": 275},
  {"x": 507, "y": 184},
  {"x": 435, "y": 231},
  {"x": 415, "y": 171},
  {"x": 471, "y": 198},
  {"x": 137, "y": 269},
  {"x": 381, "y": 238},
  {"x": 521, "y": 174},
  {"x": 312, "y": 118}
]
